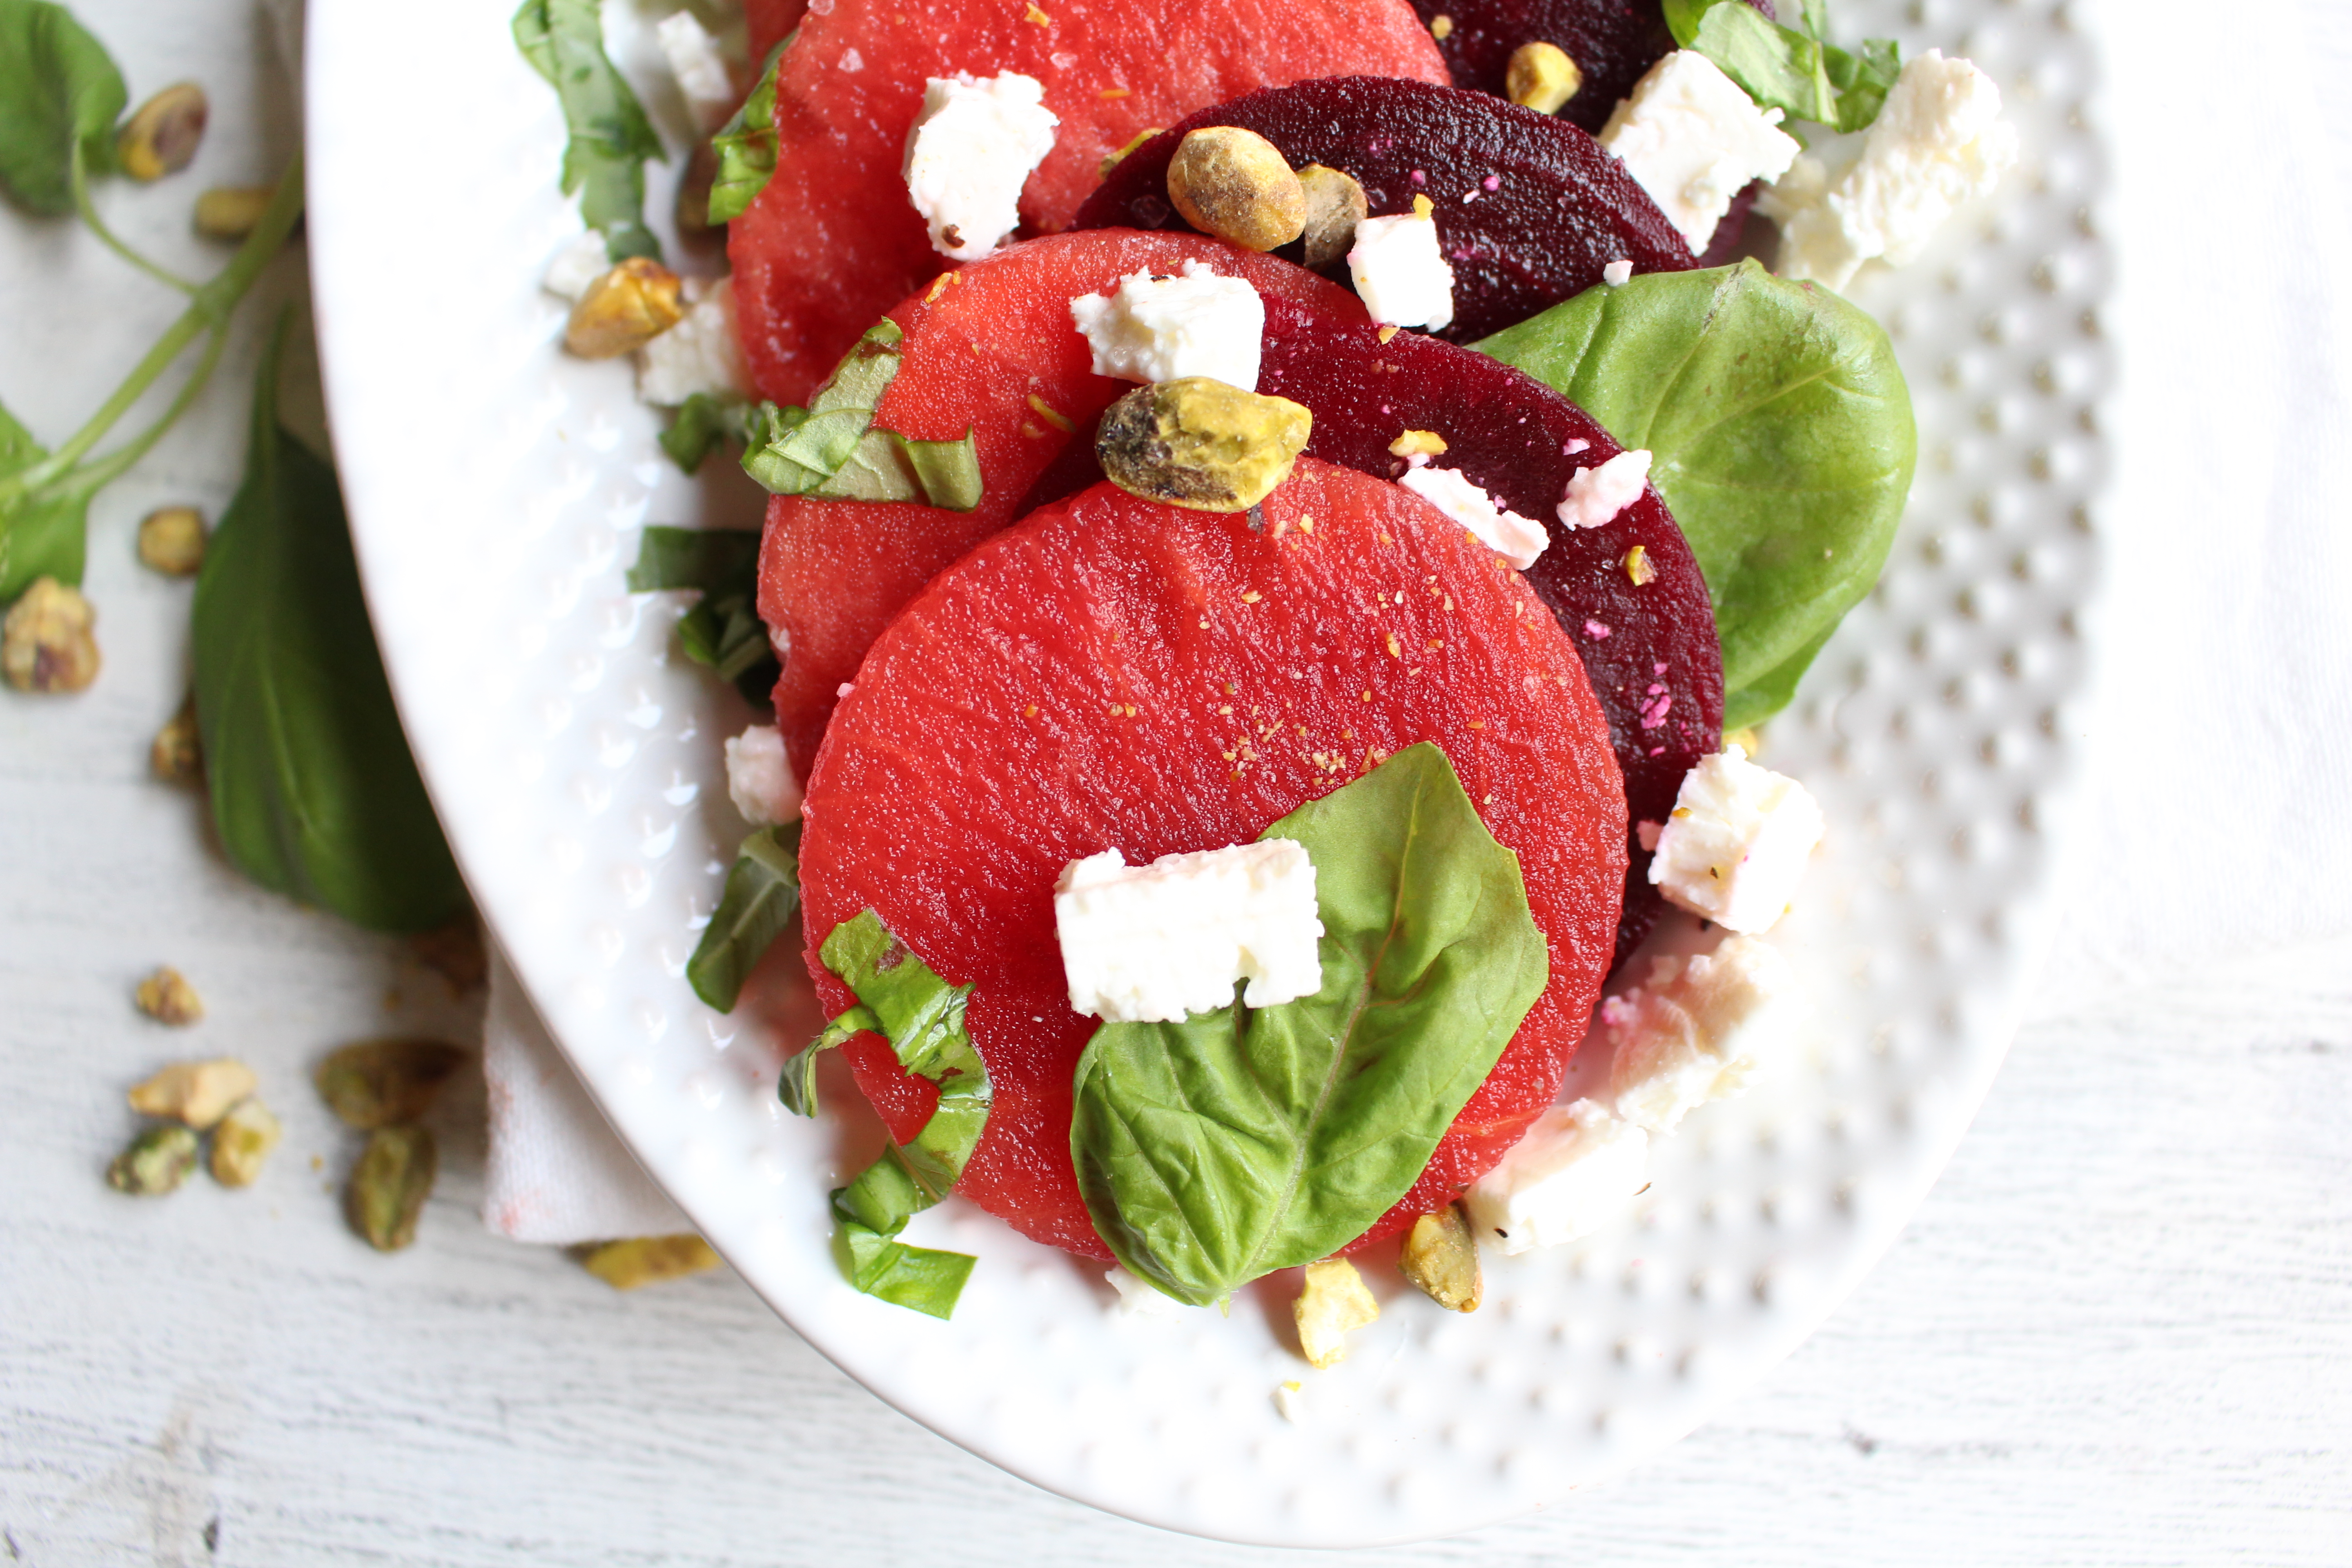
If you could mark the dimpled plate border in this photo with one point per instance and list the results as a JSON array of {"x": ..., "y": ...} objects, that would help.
[{"x": 497, "y": 490}]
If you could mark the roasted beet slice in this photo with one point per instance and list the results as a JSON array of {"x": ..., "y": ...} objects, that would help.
[
  {"x": 1528, "y": 208},
  {"x": 1613, "y": 42},
  {"x": 1648, "y": 648}
]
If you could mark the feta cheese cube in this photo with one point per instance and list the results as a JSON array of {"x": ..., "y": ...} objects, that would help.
[
  {"x": 1290, "y": 1402},
  {"x": 1578, "y": 1167},
  {"x": 1618, "y": 273},
  {"x": 1153, "y": 943},
  {"x": 1164, "y": 329},
  {"x": 1937, "y": 142},
  {"x": 1399, "y": 272},
  {"x": 1700, "y": 1028},
  {"x": 1692, "y": 138},
  {"x": 1596, "y": 495},
  {"x": 581, "y": 262},
  {"x": 700, "y": 70},
  {"x": 975, "y": 143},
  {"x": 1735, "y": 845},
  {"x": 1517, "y": 539},
  {"x": 760, "y": 777},
  {"x": 701, "y": 353}
]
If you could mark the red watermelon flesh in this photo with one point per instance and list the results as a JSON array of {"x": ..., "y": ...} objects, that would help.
[
  {"x": 1116, "y": 673},
  {"x": 992, "y": 347},
  {"x": 1613, "y": 42},
  {"x": 833, "y": 240},
  {"x": 1528, "y": 208},
  {"x": 768, "y": 21}
]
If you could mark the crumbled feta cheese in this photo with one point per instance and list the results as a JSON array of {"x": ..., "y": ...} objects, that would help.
[
  {"x": 581, "y": 262},
  {"x": 1399, "y": 272},
  {"x": 703, "y": 79},
  {"x": 1578, "y": 1168},
  {"x": 1618, "y": 273},
  {"x": 1290, "y": 1402},
  {"x": 701, "y": 353},
  {"x": 1152, "y": 943},
  {"x": 759, "y": 779},
  {"x": 1694, "y": 138},
  {"x": 1938, "y": 141},
  {"x": 1517, "y": 539},
  {"x": 1734, "y": 848},
  {"x": 1700, "y": 1028},
  {"x": 971, "y": 149},
  {"x": 1137, "y": 1299},
  {"x": 1163, "y": 329},
  {"x": 1596, "y": 495}
]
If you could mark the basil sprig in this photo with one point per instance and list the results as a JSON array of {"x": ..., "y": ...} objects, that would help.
[
  {"x": 60, "y": 95},
  {"x": 1795, "y": 69},
  {"x": 833, "y": 449},
  {"x": 313, "y": 791},
  {"x": 746, "y": 145},
  {"x": 723, "y": 631},
  {"x": 763, "y": 889},
  {"x": 1237, "y": 1142},
  {"x": 922, "y": 1017},
  {"x": 610, "y": 138}
]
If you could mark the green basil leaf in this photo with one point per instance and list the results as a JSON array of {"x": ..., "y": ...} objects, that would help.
[
  {"x": 1797, "y": 71},
  {"x": 797, "y": 1087},
  {"x": 763, "y": 889},
  {"x": 746, "y": 145},
  {"x": 1216, "y": 1149},
  {"x": 58, "y": 90},
  {"x": 1771, "y": 692},
  {"x": 1683, "y": 18},
  {"x": 313, "y": 790},
  {"x": 43, "y": 534},
  {"x": 833, "y": 449},
  {"x": 1781, "y": 431},
  {"x": 610, "y": 137},
  {"x": 704, "y": 423},
  {"x": 715, "y": 559},
  {"x": 914, "y": 1276}
]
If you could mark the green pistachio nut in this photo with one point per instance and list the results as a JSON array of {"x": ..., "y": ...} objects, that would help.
[
  {"x": 156, "y": 1162},
  {"x": 378, "y": 1083},
  {"x": 390, "y": 1185},
  {"x": 1199, "y": 442},
  {"x": 242, "y": 1141},
  {"x": 648, "y": 1259}
]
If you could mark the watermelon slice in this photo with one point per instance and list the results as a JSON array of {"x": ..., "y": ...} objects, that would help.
[
  {"x": 1113, "y": 672},
  {"x": 833, "y": 240},
  {"x": 989, "y": 347}
]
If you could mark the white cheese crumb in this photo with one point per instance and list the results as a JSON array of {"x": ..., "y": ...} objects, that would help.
[
  {"x": 1736, "y": 846},
  {"x": 1596, "y": 495},
  {"x": 700, "y": 69},
  {"x": 971, "y": 149},
  {"x": 1938, "y": 141},
  {"x": 1291, "y": 1403},
  {"x": 759, "y": 778},
  {"x": 1692, "y": 138},
  {"x": 1578, "y": 1168},
  {"x": 581, "y": 262},
  {"x": 1401, "y": 274},
  {"x": 1618, "y": 273},
  {"x": 1139, "y": 1299},
  {"x": 1517, "y": 539},
  {"x": 702, "y": 353},
  {"x": 1162, "y": 328},
  {"x": 1700, "y": 1029},
  {"x": 1152, "y": 943}
]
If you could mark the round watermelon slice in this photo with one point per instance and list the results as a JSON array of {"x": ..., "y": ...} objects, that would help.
[
  {"x": 833, "y": 240},
  {"x": 1114, "y": 672}
]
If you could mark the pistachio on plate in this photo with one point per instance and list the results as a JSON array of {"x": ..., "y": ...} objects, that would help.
[
  {"x": 1334, "y": 1301},
  {"x": 1441, "y": 1256}
]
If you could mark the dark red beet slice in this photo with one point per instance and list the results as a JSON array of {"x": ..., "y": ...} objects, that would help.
[
  {"x": 1113, "y": 672},
  {"x": 1547, "y": 207},
  {"x": 1613, "y": 42},
  {"x": 1650, "y": 648}
]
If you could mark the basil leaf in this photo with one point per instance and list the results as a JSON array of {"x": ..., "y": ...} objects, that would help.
[
  {"x": 610, "y": 137},
  {"x": 727, "y": 636},
  {"x": 833, "y": 450},
  {"x": 797, "y": 1087},
  {"x": 43, "y": 531},
  {"x": 746, "y": 145},
  {"x": 60, "y": 91},
  {"x": 715, "y": 559},
  {"x": 763, "y": 889},
  {"x": 313, "y": 792},
  {"x": 1781, "y": 431},
  {"x": 704, "y": 423},
  {"x": 1798, "y": 72},
  {"x": 1771, "y": 692},
  {"x": 919, "y": 1278},
  {"x": 1216, "y": 1149}
]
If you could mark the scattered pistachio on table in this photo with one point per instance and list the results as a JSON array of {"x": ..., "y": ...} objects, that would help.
[
  {"x": 177, "y": 755},
  {"x": 172, "y": 540},
  {"x": 389, "y": 1185},
  {"x": 197, "y": 1093},
  {"x": 161, "y": 135},
  {"x": 232, "y": 212},
  {"x": 1441, "y": 1256},
  {"x": 242, "y": 1142},
  {"x": 647, "y": 1259},
  {"x": 46, "y": 642},
  {"x": 156, "y": 1162},
  {"x": 454, "y": 953},
  {"x": 380, "y": 1083},
  {"x": 168, "y": 998},
  {"x": 1334, "y": 1301}
]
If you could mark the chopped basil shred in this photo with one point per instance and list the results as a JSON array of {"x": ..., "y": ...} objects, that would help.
[
  {"x": 833, "y": 450},
  {"x": 715, "y": 559},
  {"x": 1795, "y": 69},
  {"x": 797, "y": 1088},
  {"x": 704, "y": 423},
  {"x": 610, "y": 138},
  {"x": 724, "y": 630},
  {"x": 763, "y": 889},
  {"x": 746, "y": 145},
  {"x": 922, "y": 1017}
]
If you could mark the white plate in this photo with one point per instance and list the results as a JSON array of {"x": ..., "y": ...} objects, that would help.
[{"x": 497, "y": 491}]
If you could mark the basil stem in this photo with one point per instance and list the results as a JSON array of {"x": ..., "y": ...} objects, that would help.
[{"x": 763, "y": 889}]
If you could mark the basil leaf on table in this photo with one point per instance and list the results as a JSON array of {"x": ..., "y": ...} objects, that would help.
[
  {"x": 1800, "y": 72},
  {"x": 313, "y": 791},
  {"x": 833, "y": 450},
  {"x": 610, "y": 138},
  {"x": 43, "y": 533},
  {"x": 1237, "y": 1142},
  {"x": 1781, "y": 437},
  {"x": 763, "y": 889},
  {"x": 59, "y": 91},
  {"x": 746, "y": 145}
]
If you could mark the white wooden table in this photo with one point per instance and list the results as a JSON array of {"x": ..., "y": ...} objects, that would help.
[{"x": 2120, "y": 1331}]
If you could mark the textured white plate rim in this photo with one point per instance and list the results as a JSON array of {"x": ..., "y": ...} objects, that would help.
[{"x": 461, "y": 681}]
